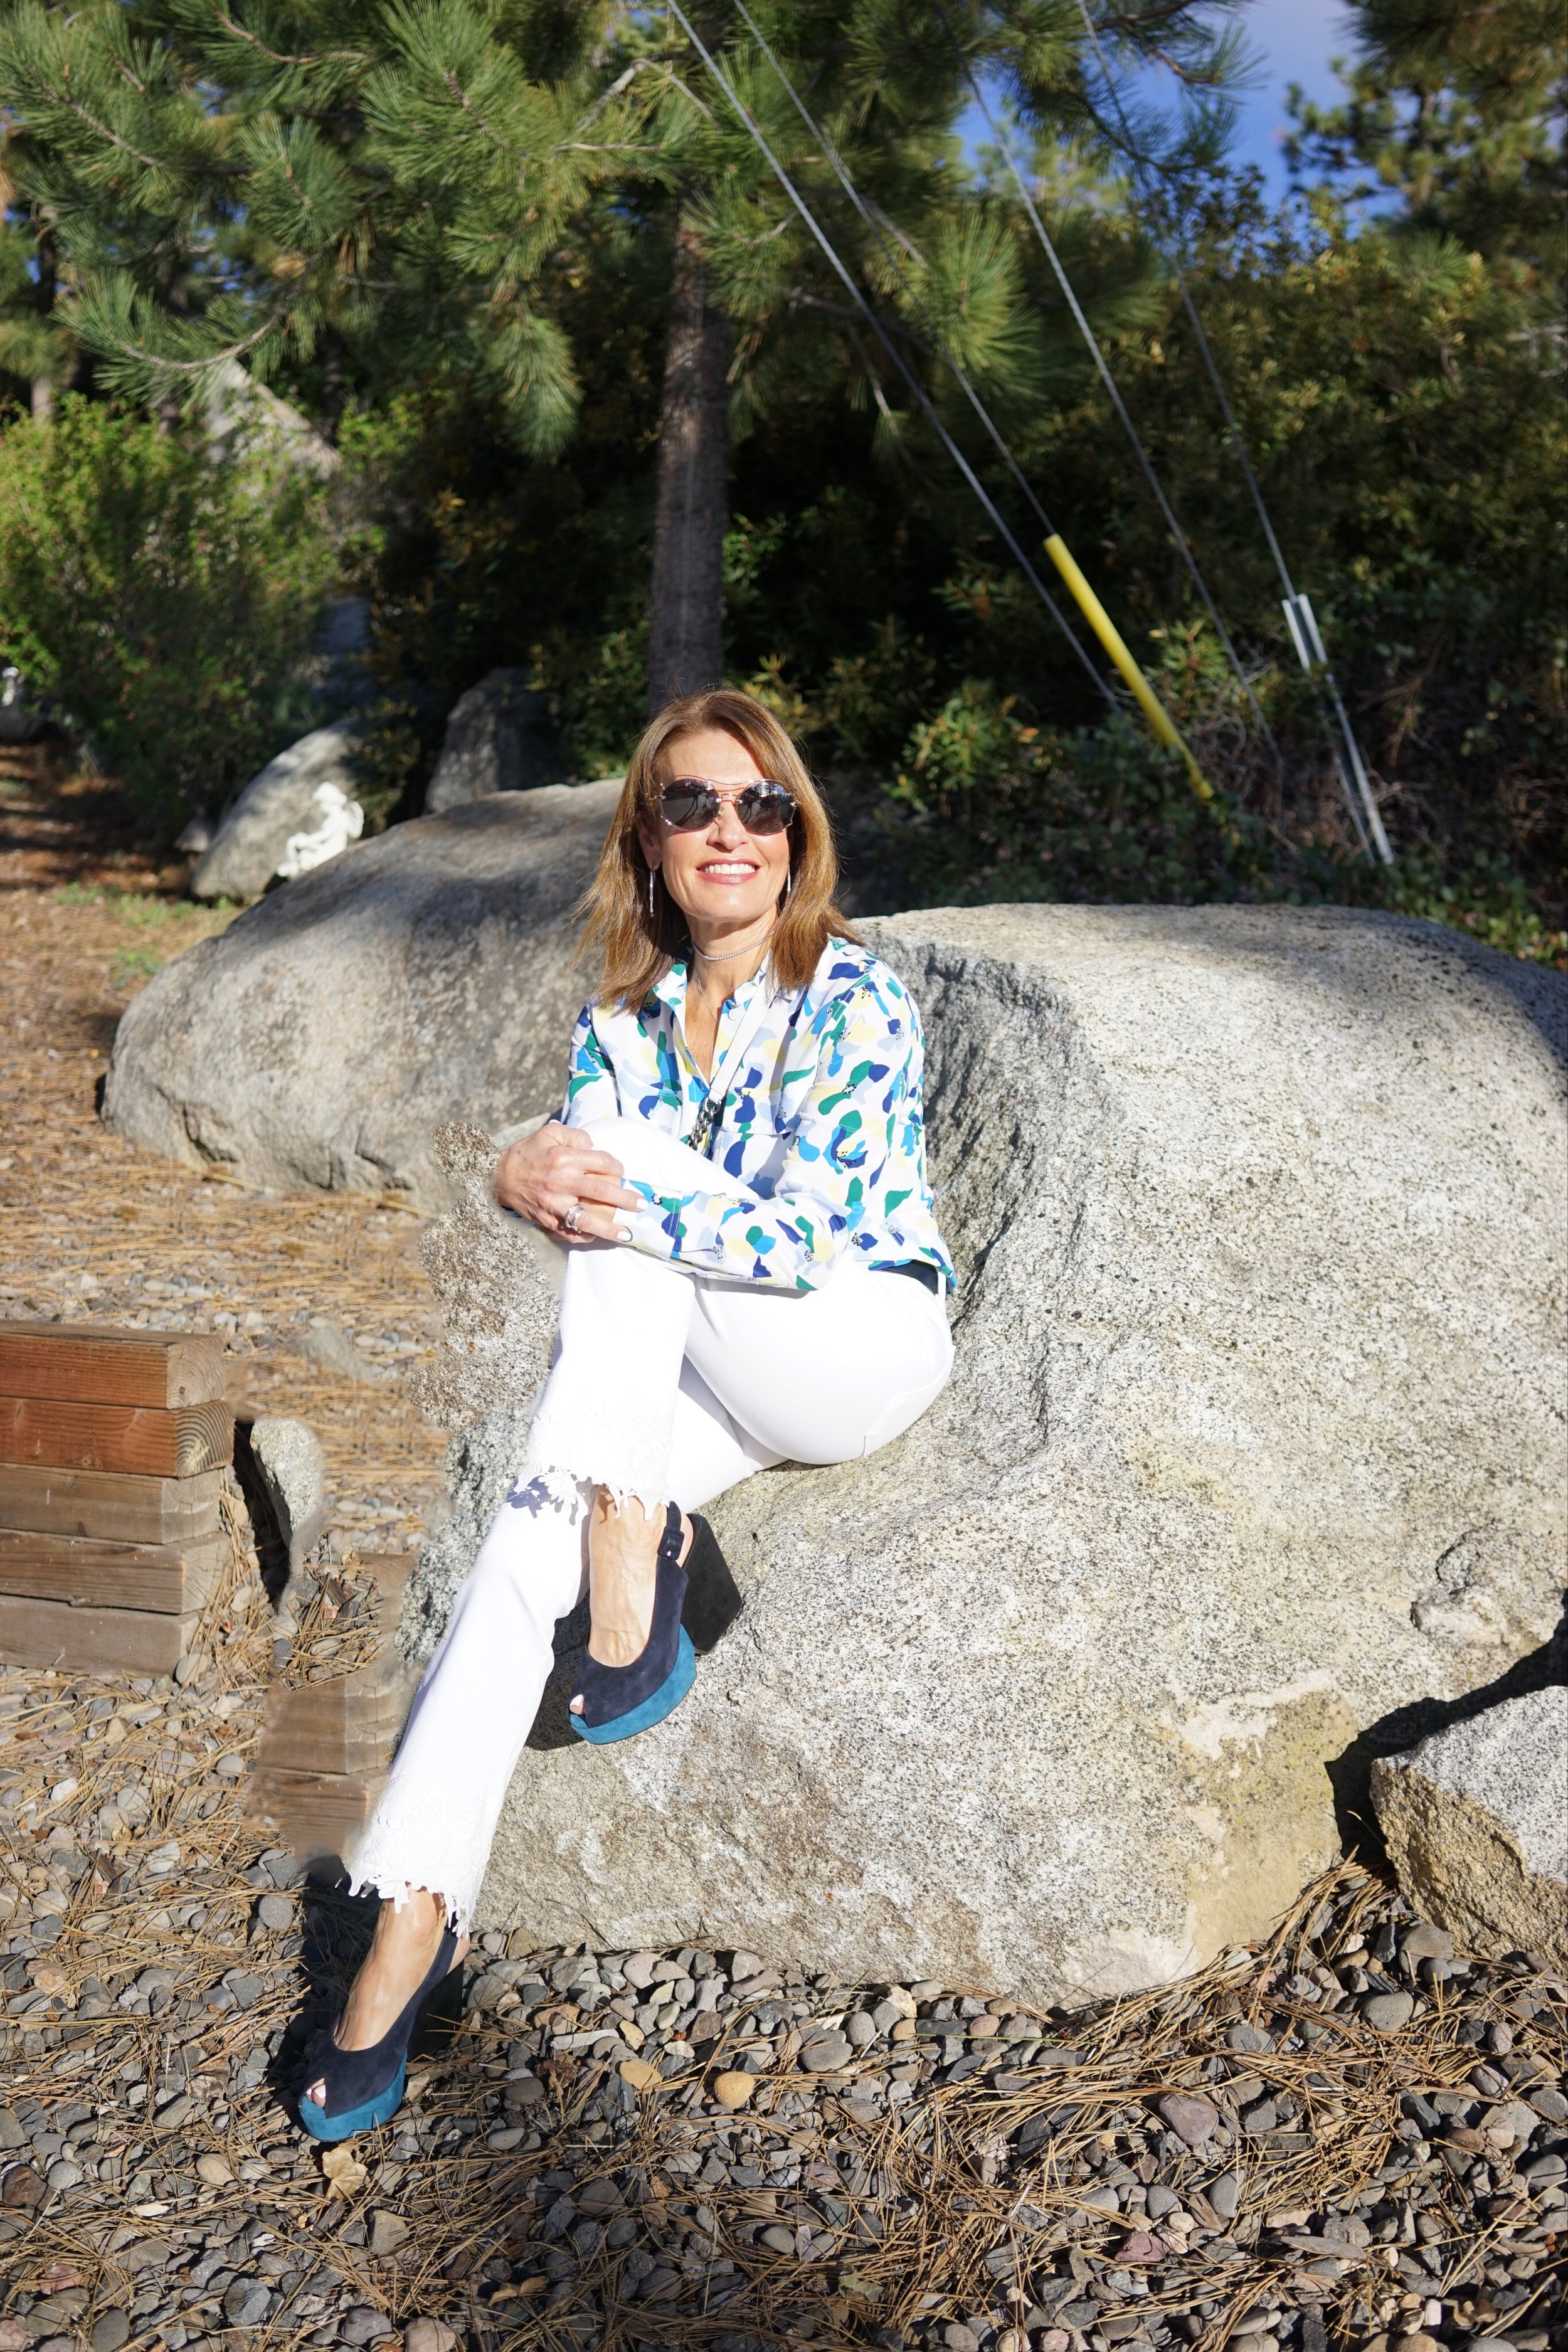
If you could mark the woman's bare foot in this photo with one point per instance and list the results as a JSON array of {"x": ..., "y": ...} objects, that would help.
[
  {"x": 623, "y": 1579},
  {"x": 406, "y": 1943}
]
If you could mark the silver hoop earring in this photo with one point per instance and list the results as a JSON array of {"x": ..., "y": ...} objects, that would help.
[
  {"x": 650, "y": 889},
  {"x": 789, "y": 887}
]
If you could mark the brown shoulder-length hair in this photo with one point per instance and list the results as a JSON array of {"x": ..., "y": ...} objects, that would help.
[{"x": 633, "y": 948}]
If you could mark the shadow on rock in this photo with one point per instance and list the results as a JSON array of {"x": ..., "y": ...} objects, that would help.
[{"x": 1350, "y": 1773}]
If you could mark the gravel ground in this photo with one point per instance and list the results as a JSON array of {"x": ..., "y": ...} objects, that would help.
[{"x": 1353, "y": 2136}]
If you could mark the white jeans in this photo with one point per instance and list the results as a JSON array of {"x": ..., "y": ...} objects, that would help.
[{"x": 665, "y": 1385}]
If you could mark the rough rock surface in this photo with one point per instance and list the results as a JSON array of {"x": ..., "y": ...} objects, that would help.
[
  {"x": 1257, "y": 1220},
  {"x": 289, "y": 811},
  {"x": 423, "y": 977},
  {"x": 292, "y": 1468},
  {"x": 500, "y": 737},
  {"x": 1475, "y": 1821}
]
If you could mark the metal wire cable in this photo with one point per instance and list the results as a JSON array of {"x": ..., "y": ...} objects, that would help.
[
  {"x": 911, "y": 381},
  {"x": 870, "y": 220},
  {"x": 1367, "y": 817},
  {"x": 1179, "y": 536}
]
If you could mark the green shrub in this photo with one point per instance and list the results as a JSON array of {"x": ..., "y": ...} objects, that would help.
[
  {"x": 986, "y": 808},
  {"x": 165, "y": 598}
]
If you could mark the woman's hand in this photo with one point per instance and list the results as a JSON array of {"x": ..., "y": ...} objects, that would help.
[{"x": 557, "y": 1181}]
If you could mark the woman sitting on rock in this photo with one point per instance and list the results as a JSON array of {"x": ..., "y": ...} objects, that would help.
[{"x": 755, "y": 1277}]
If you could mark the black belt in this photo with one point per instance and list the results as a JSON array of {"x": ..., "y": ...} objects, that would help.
[{"x": 918, "y": 1271}]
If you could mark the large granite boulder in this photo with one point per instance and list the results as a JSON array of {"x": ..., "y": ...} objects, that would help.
[
  {"x": 326, "y": 1034},
  {"x": 1254, "y": 1438},
  {"x": 296, "y": 812},
  {"x": 500, "y": 737},
  {"x": 1476, "y": 1818}
]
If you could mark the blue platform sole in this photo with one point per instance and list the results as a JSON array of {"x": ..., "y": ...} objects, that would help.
[
  {"x": 653, "y": 1709},
  {"x": 367, "y": 2117}
]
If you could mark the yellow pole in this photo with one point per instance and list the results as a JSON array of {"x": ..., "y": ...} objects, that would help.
[{"x": 1110, "y": 637}]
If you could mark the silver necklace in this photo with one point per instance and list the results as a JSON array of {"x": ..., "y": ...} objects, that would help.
[{"x": 734, "y": 954}]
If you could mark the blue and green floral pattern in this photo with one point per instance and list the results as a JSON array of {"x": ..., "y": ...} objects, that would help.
[{"x": 822, "y": 1129}]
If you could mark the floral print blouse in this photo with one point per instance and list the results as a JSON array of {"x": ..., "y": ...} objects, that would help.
[{"x": 821, "y": 1131}]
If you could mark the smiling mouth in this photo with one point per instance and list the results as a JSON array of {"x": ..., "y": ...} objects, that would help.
[{"x": 730, "y": 869}]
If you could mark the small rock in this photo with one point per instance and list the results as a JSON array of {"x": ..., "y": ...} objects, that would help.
[
  {"x": 1419, "y": 2342},
  {"x": 23, "y": 2189},
  {"x": 1139, "y": 2247},
  {"x": 745, "y": 1964},
  {"x": 276, "y": 1914},
  {"x": 292, "y": 1469},
  {"x": 637, "y": 1968},
  {"x": 1191, "y": 2118},
  {"x": 110, "y": 2330},
  {"x": 827, "y": 2055},
  {"x": 1261, "y": 2117},
  {"x": 14, "y": 2336},
  {"x": 732, "y": 2090},
  {"x": 428, "y": 2335},
  {"x": 1224, "y": 2195},
  {"x": 640, "y": 2072},
  {"x": 1425, "y": 1942},
  {"x": 64, "y": 2175},
  {"x": 1387, "y": 2012},
  {"x": 11, "y": 2132},
  {"x": 1250, "y": 2039},
  {"x": 387, "y": 2232},
  {"x": 364, "y": 2324},
  {"x": 214, "y": 2171},
  {"x": 959, "y": 2338},
  {"x": 246, "y": 2302}
]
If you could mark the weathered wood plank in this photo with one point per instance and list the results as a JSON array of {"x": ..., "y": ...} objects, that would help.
[
  {"x": 86, "y": 1641},
  {"x": 325, "y": 1747},
  {"x": 173, "y": 1578},
  {"x": 314, "y": 1814},
  {"x": 88, "y": 1363},
  {"x": 110, "y": 1504},
  {"x": 350, "y": 1725},
  {"x": 152, "y": 1441}
]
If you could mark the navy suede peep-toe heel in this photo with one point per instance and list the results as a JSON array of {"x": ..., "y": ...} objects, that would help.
[
  {"x": 619, "y": 1701},
  {"x": 365, "y": 2088}
]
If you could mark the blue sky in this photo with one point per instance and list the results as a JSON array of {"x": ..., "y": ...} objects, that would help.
[{"x": 1294, "y": 40}]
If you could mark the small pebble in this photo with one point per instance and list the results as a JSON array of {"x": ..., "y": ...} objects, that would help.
[
  {"x": 428, "y": 2335},
  {"x": 110, "y": 2330},
  {"x": 732, "y": 2090},
  {"x": 1386, "y": 2012},
  {"x": 1191, "y": 2118}
]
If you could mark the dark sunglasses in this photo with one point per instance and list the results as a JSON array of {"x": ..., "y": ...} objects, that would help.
[{"x": 689, "y": 805}]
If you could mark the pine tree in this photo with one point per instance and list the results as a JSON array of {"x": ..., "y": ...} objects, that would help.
[
  {"x": 281, "y": 183},
  {"x": 1460, "y": 112}
]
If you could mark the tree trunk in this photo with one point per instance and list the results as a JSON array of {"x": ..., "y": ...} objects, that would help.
[{"x": 686, "y": 649}]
